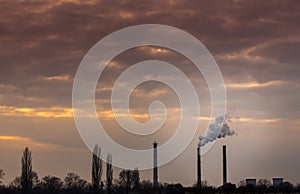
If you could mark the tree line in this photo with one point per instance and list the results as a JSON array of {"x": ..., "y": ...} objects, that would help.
[
  {"x": 29, "y": 182},
  {"x": 127, "y": 182}
]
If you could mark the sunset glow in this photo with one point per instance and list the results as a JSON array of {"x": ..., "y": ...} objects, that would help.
[{"x": 255, "y": 45}]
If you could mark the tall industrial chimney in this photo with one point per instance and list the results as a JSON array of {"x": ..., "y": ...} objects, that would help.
[
  {"x": 224, "y": 165},
  {"x": 198, "y": 167},
  {"x": 155, "y": 180}
]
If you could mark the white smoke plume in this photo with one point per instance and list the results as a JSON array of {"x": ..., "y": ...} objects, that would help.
[{"x": 218, "y": 129}]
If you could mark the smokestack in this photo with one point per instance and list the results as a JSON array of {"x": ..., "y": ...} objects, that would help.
[
  {"x": 198, "y": 167},
  {"x": 155, "y": 180},
  {"x": 224, "y": 165}
]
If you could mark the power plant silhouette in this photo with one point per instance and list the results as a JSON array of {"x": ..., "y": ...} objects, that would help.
[
  {"x": 155, "y": 168},
  {"x": 199, "y": 166},
  {"x": 276, "y": 181},
  {"x": 155, "y": 172}
]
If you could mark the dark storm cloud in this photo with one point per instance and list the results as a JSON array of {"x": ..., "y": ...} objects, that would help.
[
  {"x": 49, "y": 38},
  {"x": 59, "y": 27},
  {"x": 43, "y": 39}
]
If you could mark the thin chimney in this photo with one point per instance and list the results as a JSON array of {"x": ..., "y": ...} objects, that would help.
[
  {"x": 224, "y": 165},
  {"x": 155, "y": 173},
  {"x": 198, "y": 167}
]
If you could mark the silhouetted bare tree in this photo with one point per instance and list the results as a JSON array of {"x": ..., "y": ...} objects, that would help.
[
  {"x": 241, "y": 183},
  {"x": 227, "y": 188},
  {"x": 136, "y": 179},
  {"x": 109, "y": 173},
  {"x": 285, "y": 187},
  {"x": 146, "y": 186},
  {"x": 16, "y": 183},
  {"x": 35, "y": 179},
  {"x": 126, "y": 180},
  {"x": 26, "y": 175},
  {"x": 73, "y": 182},
  {"x": 297, "y": 188},
  {"x": 1, "y": 175},
  {"x": 263, "y": 185},
  {"x": 96, "y": 169},
  {"x": 51, "y": 184}
]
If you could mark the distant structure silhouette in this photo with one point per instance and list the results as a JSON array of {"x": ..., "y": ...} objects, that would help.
[
  {"x": 251, "y": 182},
  {"x": 277, "y": 181},
  {"x": 129, "y": 182},
  {"x": 224, "y": 165},
  {"x": 155, "y": 171},
  {"x": 198, "y": 167}
]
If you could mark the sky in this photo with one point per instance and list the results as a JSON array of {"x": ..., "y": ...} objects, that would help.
[{"x": 255, "y": 43}]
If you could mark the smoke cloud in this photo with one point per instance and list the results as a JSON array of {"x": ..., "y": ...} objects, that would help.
[{"x": 218, "y": 129}]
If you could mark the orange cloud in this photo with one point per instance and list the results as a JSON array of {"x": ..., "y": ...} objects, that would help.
[
  {"x": 140, "y": 117},
  {"x": 126, "y": 15},
  {"x": 255, "y": 120},
  {"x": 108, "y": 115},
  {"x": 13, "y": 138},
  {"x": 154, "y": 93},
  {"x": 254, "y": 84},
  {"x": 55, "y": 112},
  {"x": 244, "y": 119},
  {"x": 58, "y": 77},
  {"x": 155, "y": 50},
  {"x": 63, "y": 112},
  {"x": 23, "y": 140}
]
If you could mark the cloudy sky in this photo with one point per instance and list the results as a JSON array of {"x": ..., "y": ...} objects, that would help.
[{"x": 256, "y": 45}]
